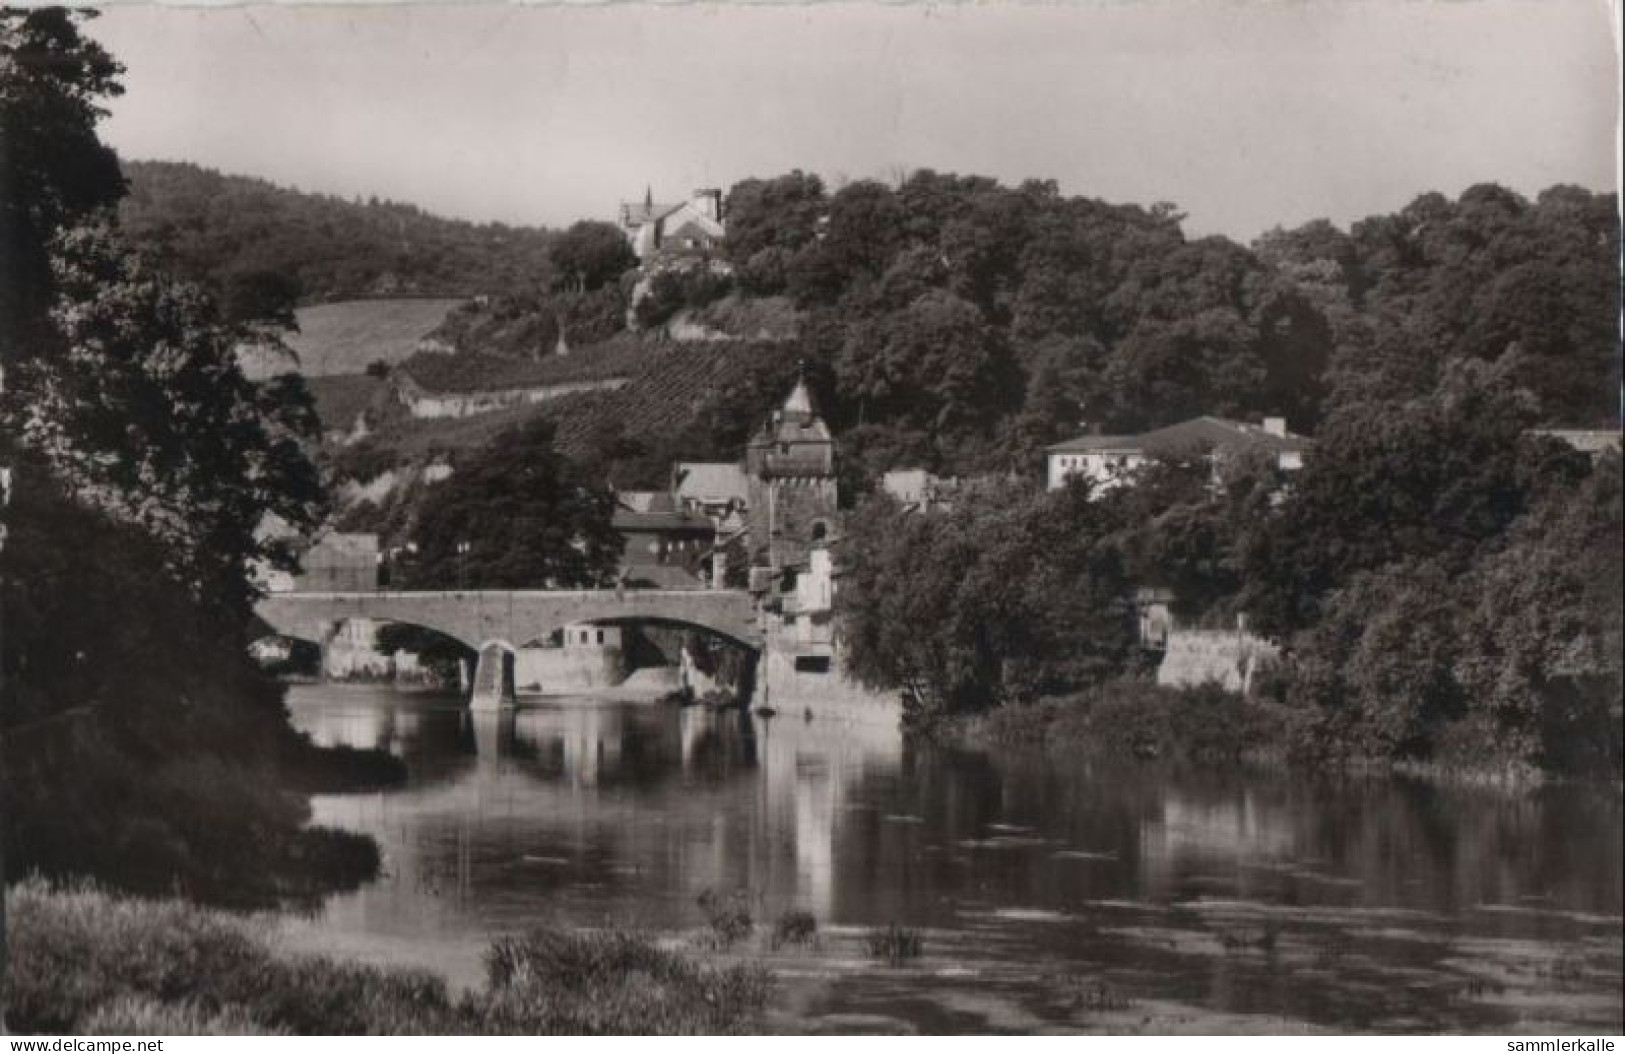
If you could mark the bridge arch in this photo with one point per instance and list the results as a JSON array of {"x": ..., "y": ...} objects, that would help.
[{"x": 321, "y": 631}]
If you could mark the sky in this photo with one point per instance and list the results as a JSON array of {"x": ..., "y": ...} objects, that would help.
[{"x": 1244, "y": 114}]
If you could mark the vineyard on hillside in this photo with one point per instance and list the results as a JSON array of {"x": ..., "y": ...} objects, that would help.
[
  {"x": 668, "y": 384},
  {"x": 474, "y": 371},
  {"x": 663, "y": 399}
]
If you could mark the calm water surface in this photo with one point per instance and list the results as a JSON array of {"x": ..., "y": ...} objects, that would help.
[{"x": 1052, "y": 895}]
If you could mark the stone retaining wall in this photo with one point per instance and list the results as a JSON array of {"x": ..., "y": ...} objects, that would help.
[{"x": 1230, "y": 658}]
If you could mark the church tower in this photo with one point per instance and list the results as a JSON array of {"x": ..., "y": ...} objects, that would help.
[{"x": 790, "y": 469}]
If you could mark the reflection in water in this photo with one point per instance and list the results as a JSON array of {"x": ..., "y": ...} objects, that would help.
[{"x": 1354, "y": 904}]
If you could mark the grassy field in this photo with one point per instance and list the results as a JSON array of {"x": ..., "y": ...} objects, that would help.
[
  {"x": 341, "y": 397},
  {"x": 89, "y": 963},
  {"x": 344, "y": 337}
]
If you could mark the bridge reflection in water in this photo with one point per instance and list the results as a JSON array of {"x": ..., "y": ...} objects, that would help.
[
  {"x": 585, "y": 813},
  {"x": 589, "y": 808}
]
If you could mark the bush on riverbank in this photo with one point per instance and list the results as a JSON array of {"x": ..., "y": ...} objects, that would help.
[
  {"x": 613, "y": 984},
  {"x": 86, "y": 962},
  {"x": 1131, "y": 719},
  {"x": 1005, "y": 596},
  {"x": 152, "y": 483},
  {"x": 142, "y": 746},
  {"x": 1207, "y": 725}
]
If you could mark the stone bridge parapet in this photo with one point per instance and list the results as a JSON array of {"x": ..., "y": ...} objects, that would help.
[{"x": 516, "y": 617}]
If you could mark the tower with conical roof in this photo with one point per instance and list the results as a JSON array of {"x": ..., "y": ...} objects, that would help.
[{"x": 790, "y": 469}]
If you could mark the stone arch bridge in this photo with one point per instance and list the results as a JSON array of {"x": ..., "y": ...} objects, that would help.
[{"x": 494, "y": 622}]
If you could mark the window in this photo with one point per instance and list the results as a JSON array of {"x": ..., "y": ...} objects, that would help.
[
  {"x": 600, "y": 636},
  {"x": 819, "y": 530},
  {"x": 812, "y": 663}
]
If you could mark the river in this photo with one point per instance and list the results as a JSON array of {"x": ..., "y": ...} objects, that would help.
[{"x": 1050, "y": 894}]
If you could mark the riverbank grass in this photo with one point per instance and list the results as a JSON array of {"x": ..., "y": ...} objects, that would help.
[
  {"x": 895, "y": 945},
  {"x": 88, "y": 962},
  {"x": 795, "y": 927}
]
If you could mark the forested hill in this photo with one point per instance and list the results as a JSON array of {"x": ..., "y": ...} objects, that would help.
[
  {"x": 218, "y": 230},
  {"x": 952, "y": 322}
]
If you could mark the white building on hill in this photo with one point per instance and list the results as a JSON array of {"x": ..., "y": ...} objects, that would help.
[
  {"x": 692, "y": 226},
  {"x": 1107, "y": 460}
]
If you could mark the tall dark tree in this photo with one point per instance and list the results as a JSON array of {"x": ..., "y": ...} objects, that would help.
[
  {"x": 517, "y": 515},
  {"x": 142, "y": 745},
  {"x": 590, "y": 255},
  {"x": 1543, "y": 628},
  {"x": 1434, "y": 479},
  {"x": 769, "y": 221},
  {"x": 1489, "y": 276},
  {"x": 260, "y": 296},
  {"x": 54, "y": 171},
  {"x": 148, "y": 409},
  {"x": 865, "y": 228},
  {"x": 1011, "y": 594},
  {"x": 936, "y": 365}
]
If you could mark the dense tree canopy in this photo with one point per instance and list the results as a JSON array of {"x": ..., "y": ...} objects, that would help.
[
  {"x": 967, "y": 324},
  {"x": 1488, "y": 276},
  {"x": 1513, "y": 659},
  {"x": 147, "y": 408},
  {"x": 1435, "y": 478},
  {"x": 209, "y": 229},
  {"x": 1009, "y": 594},
  {"x": 769, "y": 221},
  {"x": 517, "y": 515},
  {"x": 591, "y": 254}
]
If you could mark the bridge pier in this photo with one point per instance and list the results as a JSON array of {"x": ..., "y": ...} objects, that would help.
[{"x": 493, "y": 678}]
